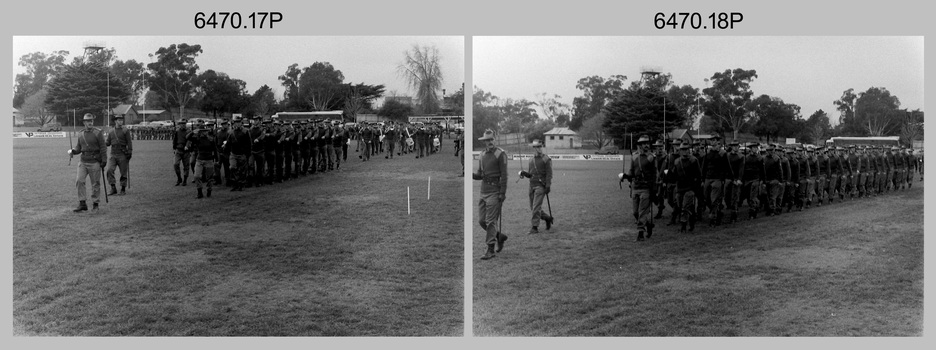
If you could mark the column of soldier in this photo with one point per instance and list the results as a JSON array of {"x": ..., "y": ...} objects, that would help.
[
  {"x": 771, "y": 178},
  {"x": 379, "y": 138},
  {"x": 152, "y": 133},
  {"x": 271, "y": 151}
]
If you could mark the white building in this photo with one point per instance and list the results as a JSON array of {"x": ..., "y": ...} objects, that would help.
[{"x": 561, "y": 138}]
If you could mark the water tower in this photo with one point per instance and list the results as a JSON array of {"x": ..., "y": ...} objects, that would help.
[{"x": 91, "y": 48}]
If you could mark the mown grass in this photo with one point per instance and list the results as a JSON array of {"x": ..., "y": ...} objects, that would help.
[
  {"x": 849, "y": 269},
  {"x": 330, "y": 254}
]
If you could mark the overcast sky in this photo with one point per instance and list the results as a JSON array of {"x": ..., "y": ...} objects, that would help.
[
  {"x": 810, "y": 72},
  {"x": 259, "y": 60}
]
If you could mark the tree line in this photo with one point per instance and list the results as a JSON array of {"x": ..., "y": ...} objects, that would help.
[
  {"x": 52, "y": 88},
  {"x": 610, "y": 110}
]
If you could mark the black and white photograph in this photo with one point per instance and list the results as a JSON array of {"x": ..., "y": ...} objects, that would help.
[
  {"x": 726, "y": 186},
  {"x": 238, "y": 186}
]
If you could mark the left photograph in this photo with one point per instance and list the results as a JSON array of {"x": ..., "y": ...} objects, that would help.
[{"x": 238, "y": 186}]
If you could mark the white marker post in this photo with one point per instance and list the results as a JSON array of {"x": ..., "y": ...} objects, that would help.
[
  {"x": 429, "y": 188},
  {"x": 407, "y": 201}
]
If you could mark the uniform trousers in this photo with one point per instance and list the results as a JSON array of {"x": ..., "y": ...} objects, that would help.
[
  {"x": 92, "y": 170},
  {"x": 489, "y": 207},
  {"x": 117, "y": 161},
  {"x": 204, "y": 173}
]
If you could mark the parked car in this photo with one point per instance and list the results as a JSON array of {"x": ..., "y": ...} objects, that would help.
[{"x": 50, "y": 127}]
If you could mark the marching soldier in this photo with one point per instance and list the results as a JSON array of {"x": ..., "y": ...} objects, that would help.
[
  {"x": 642, "y": 175},
  {"x": 181, "y": 165},
  {"x": 823, "y": 174},
  {"x": 224, "y": 157},
  {"x": 340, "y": 143},
  {"x": 492, "y": 172},
  {"x": 391, "y": 139},
  {"x": 659, "y": 160},
  {"x": 775, "y": 176},
  {"x": 257, "y": 151},
  {"x": 714, "y": 166},
  {"x": 751, "y": 178},
  {"x": 91, "y": 147},
  {"x": 206, "y": 153},
  {"x": 366, "y": 135},
  {"x": 269, "y": 151},
  {"x": 120, "y": 142},
  {"x": 669, "y": 181},
  {"x": 238, "y": 143},
  {"x": 540, "y": 176},
  {"x": 734, "y": 181},
  {"x": 688, "y": 177}
]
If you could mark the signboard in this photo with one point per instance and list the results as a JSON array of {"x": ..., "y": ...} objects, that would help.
[
  {"x": 595, "y": 157},
  {"x": 38, "y": 135}
]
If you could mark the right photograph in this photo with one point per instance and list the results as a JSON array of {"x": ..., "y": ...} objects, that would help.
[{"x": 697, "y": 186}]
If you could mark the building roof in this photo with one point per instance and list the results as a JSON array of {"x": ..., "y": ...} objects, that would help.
[
  {"x": 560, "y": 131},
  {"x": 151, "y": 111},
  {"x": 123, "y": 109},
  {"x": 679, "y": 133}
]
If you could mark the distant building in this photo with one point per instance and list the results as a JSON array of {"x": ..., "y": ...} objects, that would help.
[
  {"x": 406, "y": 100},
  {"x": 152, "y": 115},
  {"x": 680, "y": 134},
  {"x": 561, "y": 138},
  {"x": 128, "y": 112},
  {"x": 370, "y": 118},
  {"x": 18, "y": 119},
  {"x": 288, "y": 116}
]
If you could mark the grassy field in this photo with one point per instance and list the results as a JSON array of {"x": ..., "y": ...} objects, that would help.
[
  {"x": 330, "y": 254},
  {"x": 849, "y": 269}
]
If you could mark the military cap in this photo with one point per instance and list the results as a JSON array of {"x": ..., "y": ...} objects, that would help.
[
  {"x": 118, "y": 116},
  {"x": 675, "y": 141},
  {"x": 733, "y": 143},
  {"x": 488, "y": 135},
  {"x": 236, "y": 119},
  {"x": 643, "y": 139},
  {"x": 88, "y": 116},
  {"x": 684, "y": 146},
  {"x": 536, "y": 144},
  {"x": 658, "y": 143}
]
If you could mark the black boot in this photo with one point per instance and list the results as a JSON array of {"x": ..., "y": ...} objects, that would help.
[
  {"x": 185, "y": 181},
  {"x": 208, "y": 193},
  {"x": 82, "y": 206},
  {"x": 650, "y": 229},
  {"x": 691, "y": 224},
  {"x": 549, "y": 222},
  {"x": 178, "y": 180},
  {"x": 489, "y": 254},
  {"x": 123, "y": 190},
  {"x": 640, "y": 235},
  {"x": 659, "y": 214},
  {"x": 501, "y": 238},
  {"x": 94, "y": 207},
  {"x": 113, "y": 190},
  {"x": 200, "y": 195}
]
